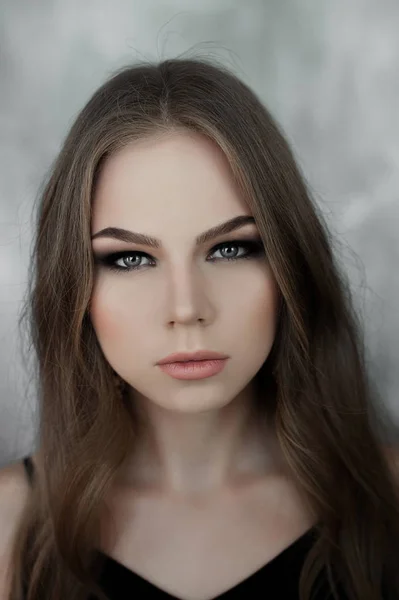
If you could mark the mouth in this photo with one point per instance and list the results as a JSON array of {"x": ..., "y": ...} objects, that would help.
[
  {"x": 194, "y": 369},
  {"x": 190, "y": 357}
]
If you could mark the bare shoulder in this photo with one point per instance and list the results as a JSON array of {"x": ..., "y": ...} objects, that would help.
[
  {"x": 14, "y": 494},
  {"x": 14, "y": 488}
]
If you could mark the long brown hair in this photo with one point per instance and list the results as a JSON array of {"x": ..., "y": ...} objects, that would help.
[{"x": 323, "y": 401}]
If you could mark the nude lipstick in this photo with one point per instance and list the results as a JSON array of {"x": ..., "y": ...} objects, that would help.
[{"x": 193, "y": 365}]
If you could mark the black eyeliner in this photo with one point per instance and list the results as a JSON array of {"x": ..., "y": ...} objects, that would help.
[{"x": 254, "y": 247}]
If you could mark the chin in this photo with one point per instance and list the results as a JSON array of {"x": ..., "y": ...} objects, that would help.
[{"x": 191, "y": 406}]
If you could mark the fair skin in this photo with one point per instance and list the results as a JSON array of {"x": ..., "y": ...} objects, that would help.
[
  {"x": 205, "y": 498},
  {"x": 201, "y": 436}
]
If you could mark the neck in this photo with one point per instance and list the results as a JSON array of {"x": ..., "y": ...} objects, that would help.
[{"x": 184, "y": 453}]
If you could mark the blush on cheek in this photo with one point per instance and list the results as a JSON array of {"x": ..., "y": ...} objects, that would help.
[{"x": 105, "y": 321}]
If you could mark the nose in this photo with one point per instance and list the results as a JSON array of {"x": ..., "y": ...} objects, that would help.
[{"x": 189, "y": 297}]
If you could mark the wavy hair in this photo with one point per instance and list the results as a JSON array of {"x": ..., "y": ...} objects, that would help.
[{"x": 322, "y": 400}]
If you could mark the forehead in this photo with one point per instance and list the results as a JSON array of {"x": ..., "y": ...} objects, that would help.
[{"x": 169, "y": 180}]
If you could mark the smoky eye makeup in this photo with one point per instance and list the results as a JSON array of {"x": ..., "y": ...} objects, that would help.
[{"x": 253, "y": 248}]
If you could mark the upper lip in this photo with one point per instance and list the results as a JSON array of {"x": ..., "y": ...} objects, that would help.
[{"x": 187, "y": 356}]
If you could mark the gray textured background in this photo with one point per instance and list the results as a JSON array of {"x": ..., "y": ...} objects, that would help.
[{"x": 328, "y": 71}]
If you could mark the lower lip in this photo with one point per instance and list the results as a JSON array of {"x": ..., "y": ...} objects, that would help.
[{"x": 196, "y": 369}]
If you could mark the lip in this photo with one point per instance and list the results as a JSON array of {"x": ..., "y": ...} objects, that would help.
[
  {"x": 197, "y": 369},
  {"x": 191, "y": 356}
]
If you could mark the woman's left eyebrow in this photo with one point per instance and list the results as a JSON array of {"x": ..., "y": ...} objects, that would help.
[{"x": 125, "y": 235}]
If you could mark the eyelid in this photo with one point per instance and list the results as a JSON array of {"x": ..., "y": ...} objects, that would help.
[
  {"x": 254, "y": 245},
  {"x": 230, "y": 238}
]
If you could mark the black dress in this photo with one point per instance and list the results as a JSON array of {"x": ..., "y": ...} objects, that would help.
[{"x": 276, "y": 580}]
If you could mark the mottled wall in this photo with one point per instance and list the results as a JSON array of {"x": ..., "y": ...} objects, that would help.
[{"x": 329, "y": 72}]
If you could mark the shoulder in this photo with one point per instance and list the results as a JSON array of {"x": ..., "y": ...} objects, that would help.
[
  {"x": 14, "y": 474},
  {"x": 14, "y": 494},
  {"x": 15, "y": 490},
  {"x": 14, "y": 487}
]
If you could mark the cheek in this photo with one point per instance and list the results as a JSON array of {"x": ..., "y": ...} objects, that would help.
[
  {"x": 261, "y": 309},
  {"x": 103, "y": 319},
  {"x": 260, "y": 297},
  {"x": 253, "y": 309},
  {"x": 107, "y": 315},
  {"x": 266, "y": 303}
]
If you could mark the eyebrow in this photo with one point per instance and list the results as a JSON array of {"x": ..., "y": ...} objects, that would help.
[{"x": 132, "y": 237}]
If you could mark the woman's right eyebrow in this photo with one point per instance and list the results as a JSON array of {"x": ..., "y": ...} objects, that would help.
[{"x": 125, "y": 235}]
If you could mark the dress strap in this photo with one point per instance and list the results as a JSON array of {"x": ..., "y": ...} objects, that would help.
[{"x": 29, "y": 468}]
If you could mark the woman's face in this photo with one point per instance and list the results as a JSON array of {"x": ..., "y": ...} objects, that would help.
[{"x": 172, "y": 298}]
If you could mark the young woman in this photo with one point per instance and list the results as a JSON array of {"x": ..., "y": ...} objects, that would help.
[{"x": 207, "y": 428}]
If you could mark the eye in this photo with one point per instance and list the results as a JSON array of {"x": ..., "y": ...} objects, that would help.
[
  {"x": 251, "y": 248},
  {"x": 131, "y": 260}
]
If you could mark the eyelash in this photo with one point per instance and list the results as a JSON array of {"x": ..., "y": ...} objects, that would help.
[{"x": 254, "y": 249}]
